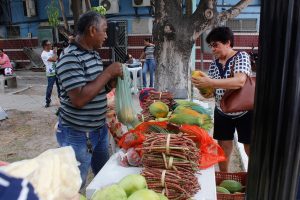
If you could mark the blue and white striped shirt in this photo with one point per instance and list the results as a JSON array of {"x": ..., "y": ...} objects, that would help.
[
  {"x": 76, "y": 68},
  {"x": 149, "y": 51}
]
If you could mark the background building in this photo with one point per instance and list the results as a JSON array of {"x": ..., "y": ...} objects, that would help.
[{"x": 24, "y": 23}]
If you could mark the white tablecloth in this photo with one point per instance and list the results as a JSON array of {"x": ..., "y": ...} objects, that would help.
[{"x": 112, "y": 172}]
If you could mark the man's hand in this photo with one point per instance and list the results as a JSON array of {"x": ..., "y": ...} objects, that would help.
[
  {"x": 55, "y": 50},
  {"x": 113, "y": 83},
  {"x": 114, "y": 70}
]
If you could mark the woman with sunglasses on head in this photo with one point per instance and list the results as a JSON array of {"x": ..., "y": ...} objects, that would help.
[{"x": 221, "y": 41}]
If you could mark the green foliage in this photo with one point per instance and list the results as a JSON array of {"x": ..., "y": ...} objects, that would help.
[
  {"x": 53, "y": 14},
  {"x": 100, "y": 9}
]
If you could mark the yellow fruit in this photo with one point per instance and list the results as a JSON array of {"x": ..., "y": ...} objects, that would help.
[
  {"x": 197, "y": 74},
  {"x": 185, "y": 110},
  {"x": 159, "y": 109},
  {"x": 207, "y": 92}
]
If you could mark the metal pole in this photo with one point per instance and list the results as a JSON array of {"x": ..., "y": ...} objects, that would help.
[
  {"x": 275, "y": 148},
  {"x": 193, "y": 55},
  {"x": 202, "y": 51}
]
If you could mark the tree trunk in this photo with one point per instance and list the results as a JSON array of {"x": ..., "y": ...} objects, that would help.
[
  {"x": 77, "y": 10},
  {"x": 168, "y": 75},
  {"x": 62, "y": 9}
]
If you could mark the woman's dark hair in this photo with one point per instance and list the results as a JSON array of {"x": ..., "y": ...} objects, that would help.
[
  {"x": 87, "y": 20},
  {"x": 1, "y": 49},
  {"x": 44, "y": 43},
  {"x": 220, "y": 34},
  {"x": 147, "y": 40}
]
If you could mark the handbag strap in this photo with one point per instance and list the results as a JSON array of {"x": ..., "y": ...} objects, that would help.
[{"x": 232, "y": 66}]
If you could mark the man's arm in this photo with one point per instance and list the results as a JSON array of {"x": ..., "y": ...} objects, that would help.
[
  {"x": 52, "y": 59},
  {"x": 82, "y": 95}
]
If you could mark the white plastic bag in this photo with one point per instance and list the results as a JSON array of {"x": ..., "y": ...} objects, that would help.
[{"x": 54, "y": 174}]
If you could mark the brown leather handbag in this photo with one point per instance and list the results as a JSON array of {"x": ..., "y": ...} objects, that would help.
[{"x": 238, "y": 100}]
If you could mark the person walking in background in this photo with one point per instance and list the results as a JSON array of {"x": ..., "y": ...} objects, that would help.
[
  {"x": 5, "y": 65},
  {"x": 49, "y": 58},
  {"x": 149, "y": 64},
  {"x": 219, "y": 77},
  {"x": 84, "y": 84}
]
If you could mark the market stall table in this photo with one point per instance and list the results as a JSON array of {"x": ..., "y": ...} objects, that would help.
[{"x": 112, "y": 172}]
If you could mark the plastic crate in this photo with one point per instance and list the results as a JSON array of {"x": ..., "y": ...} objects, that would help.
[{"x": 239, "y": 176}]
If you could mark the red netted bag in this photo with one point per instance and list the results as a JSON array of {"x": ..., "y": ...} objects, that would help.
[
  {"x": 131, "y": 139},
  {"x": 211, "y": 152}
]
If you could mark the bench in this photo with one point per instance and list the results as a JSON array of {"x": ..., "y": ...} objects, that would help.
[{"x": 7, "y": 82}]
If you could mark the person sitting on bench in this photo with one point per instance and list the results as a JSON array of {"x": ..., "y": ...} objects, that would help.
[{"x": 5, "y": 65}]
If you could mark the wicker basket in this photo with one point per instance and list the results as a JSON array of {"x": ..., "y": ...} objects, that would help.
[{"x": 240, "y": 177}]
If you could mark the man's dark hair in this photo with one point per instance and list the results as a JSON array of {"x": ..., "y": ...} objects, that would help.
[
  {"x": 44, "y": 43},
  {"x": 87, "y": 20},
  {"x": 220, "y": 34}
]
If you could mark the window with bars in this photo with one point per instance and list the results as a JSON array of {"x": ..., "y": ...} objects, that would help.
[
  {"x": 242, "y": 25},
  {"x": 13, "y": 31}
]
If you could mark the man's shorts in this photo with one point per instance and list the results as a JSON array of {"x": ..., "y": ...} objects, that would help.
[{"x": 225, "y": 125}]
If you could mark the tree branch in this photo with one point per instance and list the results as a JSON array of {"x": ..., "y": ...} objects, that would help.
[
  {"x": 203, "y": 5},
  {"x": 88, "y": 5},
  {"x": 233, "y": 11},
  {"x": 203, "y": 17},
  {"x": 62, "y": 9}
]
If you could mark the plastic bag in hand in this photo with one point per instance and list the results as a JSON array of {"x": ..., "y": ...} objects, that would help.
[{"x": 126, "y": 112}]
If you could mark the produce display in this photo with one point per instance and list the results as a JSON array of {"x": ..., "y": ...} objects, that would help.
[
  {"x": 131, "y": 187},
  {"x": 185, "y": 112},
  {"x": 231, "y": 185},
  {"x": 170, "y": 163},
  {"x": 171, "y": 144}
]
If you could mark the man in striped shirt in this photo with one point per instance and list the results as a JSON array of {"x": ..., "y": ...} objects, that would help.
[{"x": 84, "y": 85}]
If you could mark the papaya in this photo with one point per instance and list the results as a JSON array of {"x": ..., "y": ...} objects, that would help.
[
  {"x": 162, "y": 119},
  {"x": 185, "y": 103},
  {"x": 222, "y": 190},
  {"x": 206, "y": 92},
  {"x": 232, "y": 185},
  {"x": 185, "y": 110},
  {"x": 185, "y": 119},
  {"x": 159, "y": 109},
  {"x": 197, "y": 74}
]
